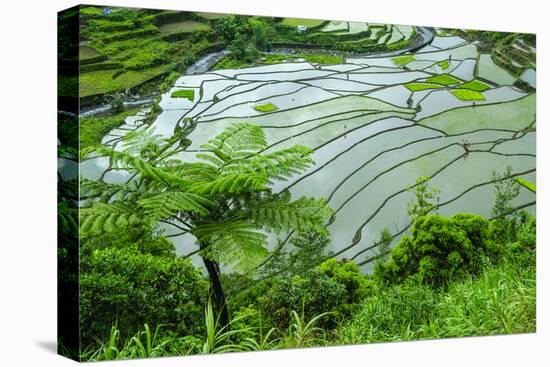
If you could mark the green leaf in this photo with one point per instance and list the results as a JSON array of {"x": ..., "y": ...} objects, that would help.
[
  {"x": 237, "y": 141},
  {"x": 166, "y": 204},
  {"x": 103, "y": 217},
  {"x": 236, "y": 243},
  {"x": 282, "y": 215}
]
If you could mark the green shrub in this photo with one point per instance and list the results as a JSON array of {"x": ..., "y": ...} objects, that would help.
[
  {"x": 348, "y": 274},
  {"x": 522, "y": 250},
  {"x": 505, "y": 217},
  {"x": 440, "y": 250},
  {"x": 117, "y": 104},
  {"x": 334, "y": 286},
  {"x": 128, "y": 287}
]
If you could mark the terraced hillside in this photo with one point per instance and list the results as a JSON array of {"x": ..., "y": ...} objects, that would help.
[{"x": 375, "y": 124}]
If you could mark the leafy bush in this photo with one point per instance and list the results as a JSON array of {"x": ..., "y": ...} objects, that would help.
[
  {"x": 504, "y": 223},
  {"x": 117, "y": 104},
  {"x": 522, "y": 250},
  {"x": 128, "y": 287},
  {"x": 440, "y": 250},
  {"x": 334, "y": 287}
]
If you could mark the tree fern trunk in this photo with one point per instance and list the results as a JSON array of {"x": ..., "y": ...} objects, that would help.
[{"x": 217, "y": 291}]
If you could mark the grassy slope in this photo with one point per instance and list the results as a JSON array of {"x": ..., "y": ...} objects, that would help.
[
  {"x": 102, "y": 81},
  {"x": 514, "y": 115},
  {"x": 501, "y": 301},
  {"x": 93, "y": 129},
  {"x": 137, "y": 47}
]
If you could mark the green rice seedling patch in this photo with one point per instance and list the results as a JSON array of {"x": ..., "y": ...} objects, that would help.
[
  {"x": 267, "y": 107},
  {"x": 444, "y": 79},
  {"x": 468, "y": 95},
  {"x": 476, "y": 85},
  {"x": 184, "y": 93},
  {"x": 443, "y": 64},
  {"x": 414, "y": 87},
  {"x": 403, "y": 60}
]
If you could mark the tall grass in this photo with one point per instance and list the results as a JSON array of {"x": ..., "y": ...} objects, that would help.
[
  {"x": 303, "y": 333},
  {"x": 135, "y": 347},
  {"x": 502, "y": 300}
]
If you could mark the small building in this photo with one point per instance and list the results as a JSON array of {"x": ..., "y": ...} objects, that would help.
[{"x": 301, "y": 29}]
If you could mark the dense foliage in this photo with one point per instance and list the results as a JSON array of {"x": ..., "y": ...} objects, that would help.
[
  {"x": 125, "y": 286},
  {"x": 441, "y": 249}
]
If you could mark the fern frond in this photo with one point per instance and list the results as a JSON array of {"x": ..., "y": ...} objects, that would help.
[
  {"x": 210, "y": 158},
  {"x": 135, "y": 141},
  {"x": 144, "y": 169},
  {"x": 196, "y": 172},
  {"x": 167, "y": 204},
  {"x": 67, "y": 218},
  {"x": 279, "y": 165},
  {"x": 232, "y": 183},
  {"x": 283, "y": 215},
  {"x": 103, "y": 217},
  {"x": 103, "y": 191},
  {"x": 236, "y": 243},
  {"x": 237, "y": 141}
]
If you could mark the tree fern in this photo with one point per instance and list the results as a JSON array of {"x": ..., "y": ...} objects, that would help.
[{"x": 225, "y": 201}]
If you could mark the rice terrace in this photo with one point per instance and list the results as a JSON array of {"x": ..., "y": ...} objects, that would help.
[{"x": 391, "y": 169}]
